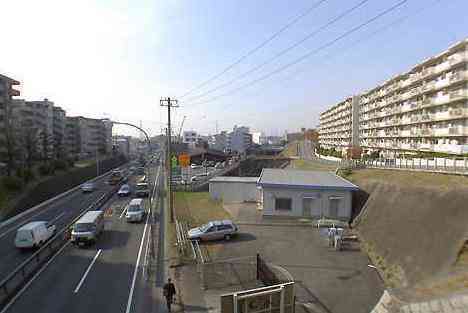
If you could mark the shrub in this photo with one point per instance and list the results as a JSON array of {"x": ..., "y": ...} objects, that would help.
[
  {"x": 12, "y": 183},
  {"x": 345, "y": 172},
  {"x": 45, "y": 169},
  {"x": 61, "y": 164},
  {"x": 25, "y": 174}
]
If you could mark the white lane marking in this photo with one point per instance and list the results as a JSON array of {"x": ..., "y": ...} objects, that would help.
[
  {"x": 145, "y": 260},
  {"x": 123, "y": 211},
  {"x": 13, "y": 300},
  {"x": 87, "y": 271},
  {"x": 19, "y": 226},
  {"x": 135, "y": 272}
]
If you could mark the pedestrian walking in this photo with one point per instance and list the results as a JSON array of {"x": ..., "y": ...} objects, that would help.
[{"x": 169, "y": 292}]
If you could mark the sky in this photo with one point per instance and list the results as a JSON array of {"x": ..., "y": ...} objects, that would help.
[{"x": 116, "y": 59}]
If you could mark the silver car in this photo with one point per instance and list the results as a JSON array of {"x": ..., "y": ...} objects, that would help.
[{"x": 214, "y": 230}]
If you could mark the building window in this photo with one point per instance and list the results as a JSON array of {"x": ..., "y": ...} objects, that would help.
[{"x": 283, "y": 204}]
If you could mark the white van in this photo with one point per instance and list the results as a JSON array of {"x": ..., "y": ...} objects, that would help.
[
  {"x": 135, "y": 211},
  {"x": 34, "y": 234},
  {"x": 88, "y": 228}
]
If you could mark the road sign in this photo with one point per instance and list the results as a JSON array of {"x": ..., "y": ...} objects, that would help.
[
  {"x": 184, "y": 160},
  {"x": 174, "y": 162}
]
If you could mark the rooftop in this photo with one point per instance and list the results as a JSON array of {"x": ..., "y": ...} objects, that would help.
[
  {"x": 303, "y": 179},
  {"x": 232, "y": 179}
]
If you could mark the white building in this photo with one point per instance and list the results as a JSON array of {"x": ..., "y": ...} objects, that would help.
[
  {"x": 422, "y": 110},
  {"x": 239, "y": 140},
  {"x": 218, "y": 141},
  {"x": 190, "y": 137},
  {"x": 234, "y": 189},
  {"x": 306, "y": 193}
]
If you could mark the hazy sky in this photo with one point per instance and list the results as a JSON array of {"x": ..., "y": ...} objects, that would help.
[{"x": 116, "y": 59}]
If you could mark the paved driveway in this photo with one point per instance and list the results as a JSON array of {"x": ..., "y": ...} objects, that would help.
[{"x": 338, "y": 282}]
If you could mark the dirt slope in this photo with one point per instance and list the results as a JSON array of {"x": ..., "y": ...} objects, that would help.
[{"x": 413, "y": 230}]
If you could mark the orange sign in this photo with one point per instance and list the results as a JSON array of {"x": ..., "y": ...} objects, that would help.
[{"x": 184, "y": 160}]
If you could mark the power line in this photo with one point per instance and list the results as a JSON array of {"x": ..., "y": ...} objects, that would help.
[
  {"x": 284, "y": 51},
  {"x": 305, "y": 56},
  {"x": 252, "y": 51}
]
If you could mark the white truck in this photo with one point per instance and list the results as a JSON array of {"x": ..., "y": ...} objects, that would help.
[{"x": 34, "y": 234}]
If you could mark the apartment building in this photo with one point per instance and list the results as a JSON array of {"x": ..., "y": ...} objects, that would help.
[
  {"x": 239, "y": 140},
  {"x": 339, "y": 125},
  {"x": 59, "y": 127},
  {"x": 422, "y": 110},
  {"x": 190, "y": 137},
  {"x": 218, "y": 141},
  {"x": 7, "y": 92}
]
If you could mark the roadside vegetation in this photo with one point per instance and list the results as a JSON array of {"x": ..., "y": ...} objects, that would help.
[
  {"x": 312, "y": 165},
  {"x": 406, "y": 178}
]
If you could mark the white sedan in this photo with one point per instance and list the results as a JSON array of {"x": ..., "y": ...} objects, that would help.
[{"x": 124, "y": 191}]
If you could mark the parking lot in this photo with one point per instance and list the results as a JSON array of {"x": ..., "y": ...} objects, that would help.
[{"x": 326, "y": 280}]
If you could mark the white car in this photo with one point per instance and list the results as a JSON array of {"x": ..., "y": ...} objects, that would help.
[
  {"x": 88, "y": 187},
  {"x": 34, "y": 234},
  {"x": 214, "y": 230},
  {"x": 124, "y": 191},
  {"x": 135, "y": 211},
  {"x": 195, "y": 166}
]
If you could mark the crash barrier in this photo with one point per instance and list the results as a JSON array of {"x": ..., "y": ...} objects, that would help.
[
  {"x": 26, "y": 270},
  {"x": 182, "y": 240}
]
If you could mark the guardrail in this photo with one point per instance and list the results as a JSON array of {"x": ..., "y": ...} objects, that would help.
[{"x": 26, "y": 270}]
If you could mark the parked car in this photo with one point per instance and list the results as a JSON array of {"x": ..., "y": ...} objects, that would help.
[
  {"x": 142, "y": 190},
  {"x": 124, "y": 191},
  {"x": 88, "y": 187},
  {"x": 34, "y": 234},
  {"x": 214, "y": 230},
  {"x": 88, "y": 228},
  {"x": 135, "y": 211}
]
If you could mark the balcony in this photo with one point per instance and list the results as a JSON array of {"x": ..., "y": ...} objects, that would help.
[
  {"x": 456, "y": 112},
  {"x": 455, "y": 95},
  {"x": 459, "y": 76},
  {"x": 415, "y": 119},
  {"x": 427, "y": 71},
  {"x": 427, "y": 117},
  {"x": 426, "y": 132},
  {"x": 427, "y": 102},
  {"x": 456, "y": 58},
  {"x": 428, "y": 86},
  {"x": 454, "y": 131},
  {"x": 426, "y": 146}
]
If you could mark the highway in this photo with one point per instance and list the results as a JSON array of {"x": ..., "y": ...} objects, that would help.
[
  {"x": 105, "y": 277},
  {"x": 60, "y": 213}
]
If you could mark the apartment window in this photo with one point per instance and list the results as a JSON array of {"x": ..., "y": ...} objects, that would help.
[{"x": 284, "y": 204}]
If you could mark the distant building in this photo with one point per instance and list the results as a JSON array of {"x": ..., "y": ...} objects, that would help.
[
  {"x": 424, "y": 109},
  {"x": 239, "y": 140},
  {"x": 59, "y": 130},
  {"x": 190, "y": 137},
  {"x": 7, "y": 92},
  {"x": 258, "y": 138},
  {"x": 218, "y": 141},
  {"x": 86, "y": 137}
]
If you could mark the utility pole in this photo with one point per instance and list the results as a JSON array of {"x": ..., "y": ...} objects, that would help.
[{"x": 169, "y": 103}]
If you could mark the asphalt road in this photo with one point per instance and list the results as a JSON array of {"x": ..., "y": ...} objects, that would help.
[
  {"x": 105, "y": 277},
  {"x": 60, "y": 213}
]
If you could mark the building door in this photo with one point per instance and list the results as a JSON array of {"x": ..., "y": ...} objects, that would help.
[
  {"x": 307, "y": 206},
  {"x": 334, "y": 206}
]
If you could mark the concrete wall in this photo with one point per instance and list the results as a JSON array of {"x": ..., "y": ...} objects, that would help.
[
  {"x": 232, "y": 192},
  {"x": 320, "y": 206}
]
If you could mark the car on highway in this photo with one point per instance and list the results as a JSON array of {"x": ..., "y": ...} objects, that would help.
[
  {"x": 124, "y": 191},
  {"x": 34, "y": 234},
  {"x": 135, "y": 211},
  {"x": 214, "y": 230},
  {"x": 88, "y": 228},
  {"x": 219, "y": 165},
  {"x": 88, "y": 187},
  {"x": 142, "y": 190},
  {"x": 195, "y": 166}
]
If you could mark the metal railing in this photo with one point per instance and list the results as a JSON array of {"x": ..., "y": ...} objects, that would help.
[{"x": 10, "y": 285}]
